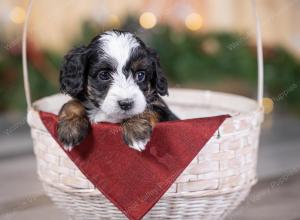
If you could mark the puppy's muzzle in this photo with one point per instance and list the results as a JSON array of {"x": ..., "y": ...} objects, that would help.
[{"x": 126, "y": 104}]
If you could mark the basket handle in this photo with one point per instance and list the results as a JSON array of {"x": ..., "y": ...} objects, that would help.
[
  {"x": 260, "y": 62},
  {"x": 24, "y": 57},
  {"x": 260, "y": 56}
]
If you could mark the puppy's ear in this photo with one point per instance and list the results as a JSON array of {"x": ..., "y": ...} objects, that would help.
[
  {"x": 72, "y": 72},
  {"x": 159, "y": 81}
]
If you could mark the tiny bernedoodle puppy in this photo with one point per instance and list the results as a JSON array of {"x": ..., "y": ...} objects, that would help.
[{"x": 117, "y": 79}]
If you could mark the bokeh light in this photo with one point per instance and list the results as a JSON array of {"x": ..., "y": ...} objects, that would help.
[
  {"x": 114, "y": 20},
  {"x": 148, "y": 20},
  {"x": 17, "y": 15},
  {"x": 194, "y": 22},
  {"x": 268, "y": 105}
]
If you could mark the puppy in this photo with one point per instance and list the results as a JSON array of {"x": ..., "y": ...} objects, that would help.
[{"x": 117, "y": 79}]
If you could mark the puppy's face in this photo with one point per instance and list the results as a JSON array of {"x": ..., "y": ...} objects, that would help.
[{"x": 116, "y": 76}]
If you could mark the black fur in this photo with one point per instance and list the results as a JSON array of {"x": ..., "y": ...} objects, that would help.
[
  {"x": 159, "y": 81},
  {"x": 72, "y": 73},
  {"x": 81, "y": 66}
]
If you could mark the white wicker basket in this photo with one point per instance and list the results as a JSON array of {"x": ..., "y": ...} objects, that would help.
[{"x": 215, "y": 182}]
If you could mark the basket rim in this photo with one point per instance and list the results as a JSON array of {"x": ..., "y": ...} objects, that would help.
[
  {"x": 174, "y": 96},
  {"x": 249, "y": 108}
]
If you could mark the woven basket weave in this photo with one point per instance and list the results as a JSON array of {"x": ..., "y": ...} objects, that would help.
[{"x": 215, "y": 182}]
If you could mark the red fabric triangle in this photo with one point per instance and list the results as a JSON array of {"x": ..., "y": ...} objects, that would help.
[{"x": 134, "y": 181}]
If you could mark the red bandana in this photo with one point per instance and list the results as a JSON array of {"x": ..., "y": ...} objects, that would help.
[{"x": 134, "y": 181}]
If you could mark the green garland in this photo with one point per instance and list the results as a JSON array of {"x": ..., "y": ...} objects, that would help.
[{"x": 219, "y": 61}]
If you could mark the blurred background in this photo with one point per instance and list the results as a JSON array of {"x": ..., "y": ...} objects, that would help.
[{"x": 203, "y": 44}]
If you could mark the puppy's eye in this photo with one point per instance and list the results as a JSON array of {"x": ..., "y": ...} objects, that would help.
[
  {"x": 140, "y": 76},
  {"x": 104, "y": 75}
]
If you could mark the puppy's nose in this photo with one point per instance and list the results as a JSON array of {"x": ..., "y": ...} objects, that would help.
[{"x": 126, "y": 104}]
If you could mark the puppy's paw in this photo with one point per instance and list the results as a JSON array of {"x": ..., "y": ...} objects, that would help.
[
  {"x": 139, "y": 145},
  {"x": 137, "y": 133},
  {"x": 68, "y": 148},
  {"x": 72, "y": 131}
]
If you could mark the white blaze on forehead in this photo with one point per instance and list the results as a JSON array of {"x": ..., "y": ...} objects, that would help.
[{"x": 119, "y": 47}]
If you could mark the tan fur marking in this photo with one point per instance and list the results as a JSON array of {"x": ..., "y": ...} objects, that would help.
[{"x": 72, "y": 109}]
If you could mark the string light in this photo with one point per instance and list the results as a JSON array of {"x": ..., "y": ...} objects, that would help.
[
  {"x": 268, "y": 105},
  {"x": 148, "y": 20},
  {"x": 17, "y": 15},
  {"x": 194, "y": 22}
]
